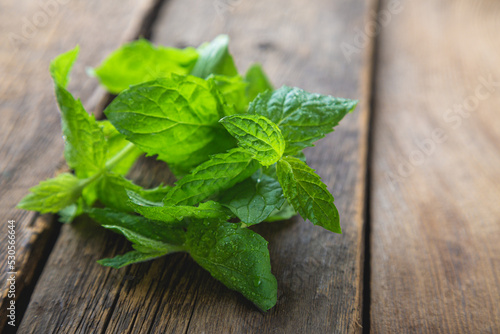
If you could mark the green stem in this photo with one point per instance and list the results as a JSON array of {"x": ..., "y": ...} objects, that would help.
[
  {"x": 119, "y": 156},
  {"x": 89, "y": 180}
]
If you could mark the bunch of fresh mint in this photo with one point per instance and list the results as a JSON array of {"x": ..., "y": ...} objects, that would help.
[{"x": 234, "y": 143}]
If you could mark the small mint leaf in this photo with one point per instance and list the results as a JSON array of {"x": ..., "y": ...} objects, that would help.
[
  {"x": 257, "y": 135},
  {"x": 308, "y": 194},
  {"x": 302, "y": 117}
]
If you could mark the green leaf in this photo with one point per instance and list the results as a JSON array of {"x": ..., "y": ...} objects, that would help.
[
  {"x": 54, "y": 194},
  {"x": 112, "y": 192},
  {"x": 61, "y": 66},
  {"x": 238, "y": 257},
  {"x": 257, "y": 135},
  {"x": 120, "y": 261},
  {"x": 140, "y": 61},
  {"x": 141, "y": 231},
  {"x": 254, "y": 199},
  {"x": 84, "y": 144},
  {"x": 308, "y": 194},
  {"x": 257, "y": 81},
  {"x": 233, "y": 89},
  {"x": 175, "y": 117},
  {"x": 302, "y": 117},
  {"x": 150, "y": 239},
  {"x": 214, "y": 58},
  {"x": 175, "y": 214},
  {"x": 221, "y": 172}
]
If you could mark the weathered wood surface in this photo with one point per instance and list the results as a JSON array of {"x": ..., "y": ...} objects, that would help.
[
  {"x": 30, "y": 137},
  {"x": 319, "y": 273},
  {"x": 435, "y": 215}
]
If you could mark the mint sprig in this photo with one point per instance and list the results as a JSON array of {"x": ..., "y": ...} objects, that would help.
[{"x": 234, "y": 143}]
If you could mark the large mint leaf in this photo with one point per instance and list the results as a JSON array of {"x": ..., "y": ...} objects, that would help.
[
  {"x": 221, "y": 172},
  {"x": 140, "y": 61},
  {"x": 175, "y": 117},
  {"x": 308, "y": 194},
  {"x": 214, "y": 58},
  {"x": 257, "y": 135},
  {"x": 54, "y": 194},
  {"x": 302, "y": 117},
  {"x": 253, "y": 200},
  {"x": 257, "y": 81},
  {"x": 238, "y": 257},
  {"x": 176, "y": 213},
  {"x": 84, "y": 144}
]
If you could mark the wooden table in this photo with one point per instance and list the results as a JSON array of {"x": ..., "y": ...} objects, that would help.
[{"x": 415, "y": 170}]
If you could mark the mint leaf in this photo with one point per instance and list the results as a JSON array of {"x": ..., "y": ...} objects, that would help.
[
  {"x": 150, "y": 239},
  {"x": 302, "y": 117},
  {"x": 238, "y": 257},
  {"x": 112, "y": 192},
  {"x": 214, "y": 58},
  {"x": 175, "y": 117},
  {"x": 221, "y": 172},
  {"x": 61, "y": 66},
  {"x": 140, "y": 61},
  {"x": 257, "y": 135},
  {"x": 234, "y": 91},
  {"x": 120, "y": 261},
  {"x": 175, "y": 214},
  {"x": 254, "y": 199},
  {"x": 257, "y": 81},
  {"x": 54, "y": 194},
  {"x": 142, "y": 232},
  {"x": 307, "y": 193},
  {"x": 84, "y": 145}
]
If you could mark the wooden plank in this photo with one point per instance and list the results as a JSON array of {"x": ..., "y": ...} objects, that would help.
[
  {"x": 319, "y": 273},
  {"x": 30, "y": 137},
  {"x": 435, "y": 214}
]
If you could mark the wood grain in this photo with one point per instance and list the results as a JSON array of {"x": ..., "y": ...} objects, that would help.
[
  {"x": 436, "y": 177},
  {"x": 31, "y": 145},
  {"x": 319, "y": 273}
]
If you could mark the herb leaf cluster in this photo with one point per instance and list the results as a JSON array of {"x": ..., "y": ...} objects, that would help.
[{"x": 233, "y": 142}]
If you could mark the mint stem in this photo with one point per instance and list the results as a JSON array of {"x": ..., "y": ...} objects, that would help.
[{"x": 119, "y": 156}]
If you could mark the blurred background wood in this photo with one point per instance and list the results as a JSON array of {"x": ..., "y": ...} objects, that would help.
[{"x": 436, "y": 170}]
